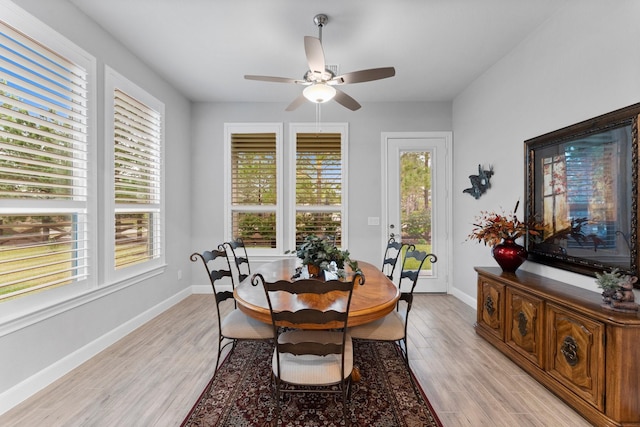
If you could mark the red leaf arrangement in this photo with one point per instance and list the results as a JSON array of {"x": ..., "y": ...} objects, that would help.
[{"x": 492, "y": 228}]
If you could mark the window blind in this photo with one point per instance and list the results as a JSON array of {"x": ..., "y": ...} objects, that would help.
[
  {"x": 318, "y": 185},
  {"x": 254, "y": 188},
  {"x": 43, "y": 164},
  {"x": 137, "y": 180},
  {"x": 253, "y": 169}
]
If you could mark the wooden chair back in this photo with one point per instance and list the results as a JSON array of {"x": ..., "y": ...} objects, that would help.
[
  {"x": 391, "y": 254},
  {"x": 237, "y": 250},
  {"x": 217, "y": 266}
]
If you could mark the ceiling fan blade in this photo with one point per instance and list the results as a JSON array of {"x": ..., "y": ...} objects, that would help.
[
  {"x": 272, "y": 79},
  {"x": 346, "y": 101},
  {"x": 296, "y": 103},
  {"x": 365, "y": 75},
  {"x": 315, "y": 54}
]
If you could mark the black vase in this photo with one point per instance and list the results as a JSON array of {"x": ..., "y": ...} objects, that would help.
[{"x": 509, "y": 255}]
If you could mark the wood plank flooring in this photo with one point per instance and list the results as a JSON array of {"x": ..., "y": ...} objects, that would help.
[{"x": 153, "y": 376}]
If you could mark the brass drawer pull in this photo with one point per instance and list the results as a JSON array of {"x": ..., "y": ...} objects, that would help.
[
  {"x": 570, "y": 350},
  {"x": 488, "y": 305},
  {"x": 522, "y": 323}
]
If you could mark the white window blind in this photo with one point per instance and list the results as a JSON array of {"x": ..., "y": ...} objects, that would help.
[
  {"x": 319, "y": 185},
  {"x": 137, "y": 180},
  {"x": 254, "y": 188},
  {"x": 43, "y": 166}
]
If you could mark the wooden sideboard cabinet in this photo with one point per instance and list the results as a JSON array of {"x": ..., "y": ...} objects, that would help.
[{"x": 587, "y": 355}]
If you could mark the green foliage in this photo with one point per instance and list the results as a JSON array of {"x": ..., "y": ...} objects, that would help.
[
  {"x": 257, "y": 229},
  {"x": 418, "y": 225},
  {"x": 321, "y": 251},
  {"x": 610, "y": 281},
  {"x": 317, "y": 180},
  {"x": 43, "y": 154},
  {"x": 319, "y": 223},
  {"x": 416, "y": 190}
]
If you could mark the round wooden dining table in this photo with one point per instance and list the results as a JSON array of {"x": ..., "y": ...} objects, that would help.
[{"x": 376, "y": 298}]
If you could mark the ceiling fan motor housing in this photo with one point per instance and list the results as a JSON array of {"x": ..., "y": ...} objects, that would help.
[{"x": 313, "y": 77}]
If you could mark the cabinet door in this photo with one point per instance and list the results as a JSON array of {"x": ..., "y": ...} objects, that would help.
[
  {"x": 524, "y": 331},
  {"x": 575, "y": 354},
  {"x": 491, "y": 306}
]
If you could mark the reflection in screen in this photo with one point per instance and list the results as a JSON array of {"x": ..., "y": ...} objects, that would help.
[{"x": 586, "y": 198}]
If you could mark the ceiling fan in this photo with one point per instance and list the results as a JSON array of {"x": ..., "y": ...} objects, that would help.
[{"x": 320, "y": 81}]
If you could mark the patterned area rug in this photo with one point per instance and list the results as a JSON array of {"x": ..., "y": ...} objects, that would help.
[{"x": 240, "y": 394}]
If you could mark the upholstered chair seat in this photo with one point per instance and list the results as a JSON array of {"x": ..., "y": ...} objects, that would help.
[
  {"x": 312, "y": 369},
  {"x": 238, "y": 325}
]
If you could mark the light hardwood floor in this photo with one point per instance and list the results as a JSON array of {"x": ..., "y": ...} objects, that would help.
[{"x": 153, "y": 376}]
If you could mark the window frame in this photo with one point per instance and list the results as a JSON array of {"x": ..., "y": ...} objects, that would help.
[
  {"x": 28, "y": 303},
  {"x": 286, "y": 167},
  {"x": 247, "y": 128},
  {"x": 291, "y": 208},
  {"x": 114, "y": 80}
]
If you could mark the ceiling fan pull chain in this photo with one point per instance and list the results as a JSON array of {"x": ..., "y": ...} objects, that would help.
[{"x": 317, "y": 118}]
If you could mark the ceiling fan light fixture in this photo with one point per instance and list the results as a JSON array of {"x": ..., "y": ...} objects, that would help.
[{"x": 319, "y": 93}]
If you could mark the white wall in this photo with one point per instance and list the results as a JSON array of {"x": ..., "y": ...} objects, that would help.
[
  {"x": 34, "y": 353},
  {"x": 365, "y": 128},
  {"x": 581, "y": 63}
]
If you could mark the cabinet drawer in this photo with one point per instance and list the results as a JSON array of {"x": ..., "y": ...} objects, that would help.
[
  {"x": 491, "y": 307},
  {"x": 524, "y": 330},
  {"x": 576, "y": 354}
]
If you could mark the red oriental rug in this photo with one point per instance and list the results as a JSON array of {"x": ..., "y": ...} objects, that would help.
[{"x": 240, "y": 394}]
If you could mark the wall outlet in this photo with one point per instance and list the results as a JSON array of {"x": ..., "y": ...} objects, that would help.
[{"x": 373, "y": 220}]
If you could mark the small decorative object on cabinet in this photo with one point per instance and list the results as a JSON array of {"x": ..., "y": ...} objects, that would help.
[
  {"x": 509, "y": 255},
  {"x": 587, "y": 355},
  {"x": 500, "y": 231},
  {"x": 617, "y": 291}
]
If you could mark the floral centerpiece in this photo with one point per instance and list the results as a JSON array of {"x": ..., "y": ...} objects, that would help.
[
  {"x": 492, "y": 228},
  {"x": 500, "y": 230},
  {"x": 318, "y": 253}
]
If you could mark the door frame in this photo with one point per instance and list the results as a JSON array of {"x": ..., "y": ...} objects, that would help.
[{"x": 446, "y": 251}]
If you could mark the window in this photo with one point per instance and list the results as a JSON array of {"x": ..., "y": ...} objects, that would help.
[
  {"x": 254, "y": 185},
  {"x": 271, "y": 213},
  {"x": 45, "y": 160},
  {"x": 318, "y": 191},
  {"x": 134, "y": 135}
]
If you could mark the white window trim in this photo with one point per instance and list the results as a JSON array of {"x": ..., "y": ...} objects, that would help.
[
  {"x": 114, "y": 80},
  {"x": 294, "y": 129},
  {"x": 231, "y": 128},
  {"x": 39, "y": 305}
]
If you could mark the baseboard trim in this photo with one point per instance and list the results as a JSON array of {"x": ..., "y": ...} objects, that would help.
[{"x": 470, "y": 301}]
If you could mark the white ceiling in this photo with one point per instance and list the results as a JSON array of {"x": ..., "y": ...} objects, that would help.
[{"x": 205, "y": 47}]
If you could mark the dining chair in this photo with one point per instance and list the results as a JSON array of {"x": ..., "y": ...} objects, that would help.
[
  {"x": 312, "y": 346},
  {"x": 391, "y": 255},
  {"x": 235, "y": 325},
  {"x": 393, "y": 327},
  {"x": 238, "y": 251}
]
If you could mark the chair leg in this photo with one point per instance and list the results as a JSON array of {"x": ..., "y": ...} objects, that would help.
[
  {"x": 346, "y": 392},
  {"x": 221, "y": 348},
  {"x": 219, "y": 352},
  {"x": 277, "y": 400},
  {"x": 406, "y": 350}
]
